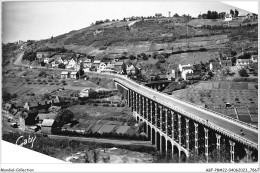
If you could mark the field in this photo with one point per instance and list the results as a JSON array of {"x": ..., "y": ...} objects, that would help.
[
  {"x": 88, "y": 111},
  {"x": 215, "y": 95}
]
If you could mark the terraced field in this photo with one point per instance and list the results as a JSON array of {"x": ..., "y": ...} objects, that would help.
[{"x": 215, "y": 95}]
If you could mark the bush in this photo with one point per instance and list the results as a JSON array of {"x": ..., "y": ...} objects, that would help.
[
  {"x": 42, "y": 74},
  {"x": 132, "y": 57},
  {"x": 95, "y": 104},
  {"x": 105, "y": 105},
  {"x": 243, "y": 73}
]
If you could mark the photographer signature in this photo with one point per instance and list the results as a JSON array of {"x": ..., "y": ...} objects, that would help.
[{"x": 22, "y": 141}]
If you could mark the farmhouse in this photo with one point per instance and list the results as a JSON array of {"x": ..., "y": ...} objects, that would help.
[
  {"x": 87, "y": 63},
  {"x": 96, "y": 64},
  {"x": 110, "y": 66},
  {"x": 226, "y": 63},
  {"x": 228, "y": 17},
  {"x": 131, "y": 70},
  {"x": 86, "y": 92},
  {"x": 64, "y": 75},
  {"x": 73, "y": 75},
  {"x": 41, "y": 117},
  {"x": 241, "y": 63},
  {"x": 46, "y": 60},
  {"x": 214, "y": 66},
  {"x": 183, "y": 68},
  {"x": 120, "y": 67},
  {"x": 171, "y": 76},
  {"x": 47, "y": 126}
]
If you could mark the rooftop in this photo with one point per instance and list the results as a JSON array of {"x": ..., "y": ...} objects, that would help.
[
  {"x": 119, "y": 63},
  {"x": 64, "y": 72},
  {"x": 48, "y": 122}
]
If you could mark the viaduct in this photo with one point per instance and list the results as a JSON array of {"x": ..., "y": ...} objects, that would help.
[{"x": 182, "y": 128}]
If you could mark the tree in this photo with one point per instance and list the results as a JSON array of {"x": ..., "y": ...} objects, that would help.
[
  {"x": 64, "y": 116},
  {"x": 42, "y": 74},
  {"x": 243, "y": 73},
  {"x": 62, "y": 66},
  {"x": 176, "y": 15},
  {"x": 209, "y": 15},
  {"x": 236, "y": 12},
  {"x": 232, "y": 12},
  {"x": 160, "y": 58},
  {"x": 144, "y": 56},
  {"x": 6, "y": 96},
  {"x": 132, "y": 57},
  {"x": 95, "y": 155}
]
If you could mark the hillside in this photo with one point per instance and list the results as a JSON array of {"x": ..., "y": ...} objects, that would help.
[{"x": 178, "y": 40}]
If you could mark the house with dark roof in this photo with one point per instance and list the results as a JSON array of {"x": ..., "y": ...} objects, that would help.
[
  {"x": 225, "y": 63},
  {"x": 47, "y": 126},
  {"x": 120, "y": 67}
]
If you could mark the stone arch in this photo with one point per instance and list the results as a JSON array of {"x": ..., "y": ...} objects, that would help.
[
  {"x": 183, "y": 156},
  {"x": 158, "y": 137},
  {"x": 240, "y": 152},
  {"x": 254, "y": 156},
  {"x": 169, "y": 148},
  {"x": 153, "y": 135}
]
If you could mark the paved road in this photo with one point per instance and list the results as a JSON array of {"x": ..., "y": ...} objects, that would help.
[
  {"x": 213, "y": 119},
  {"x": 100, "y": 140}
]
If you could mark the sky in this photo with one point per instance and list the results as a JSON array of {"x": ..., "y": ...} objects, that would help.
[{"x": 41, "y": 20}]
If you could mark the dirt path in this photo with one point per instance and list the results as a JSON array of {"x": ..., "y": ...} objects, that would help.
[{"x": 18, "y": 59}]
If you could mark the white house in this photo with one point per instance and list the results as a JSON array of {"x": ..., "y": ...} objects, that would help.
[
  {"x": 73, "y": 75},
  {"x": 87, "y": 69},
  {"x": 96, "y": 64},
  {"x": 241, "y": 63},
  {"x": 54, "y": 64},
  {"x": 185, "y": 67},
  {"x": 64, "y": 75},
  {"x": 72, "y": 62},
  {"x": 85, "y": 92},
  {"x": 46, "y": 60},
  {"x": 65, "y": 62},
  {"x": 228, "y": 17},
  {"x": 60, "y": 60},
  {"x": 87, "y": 63}
]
